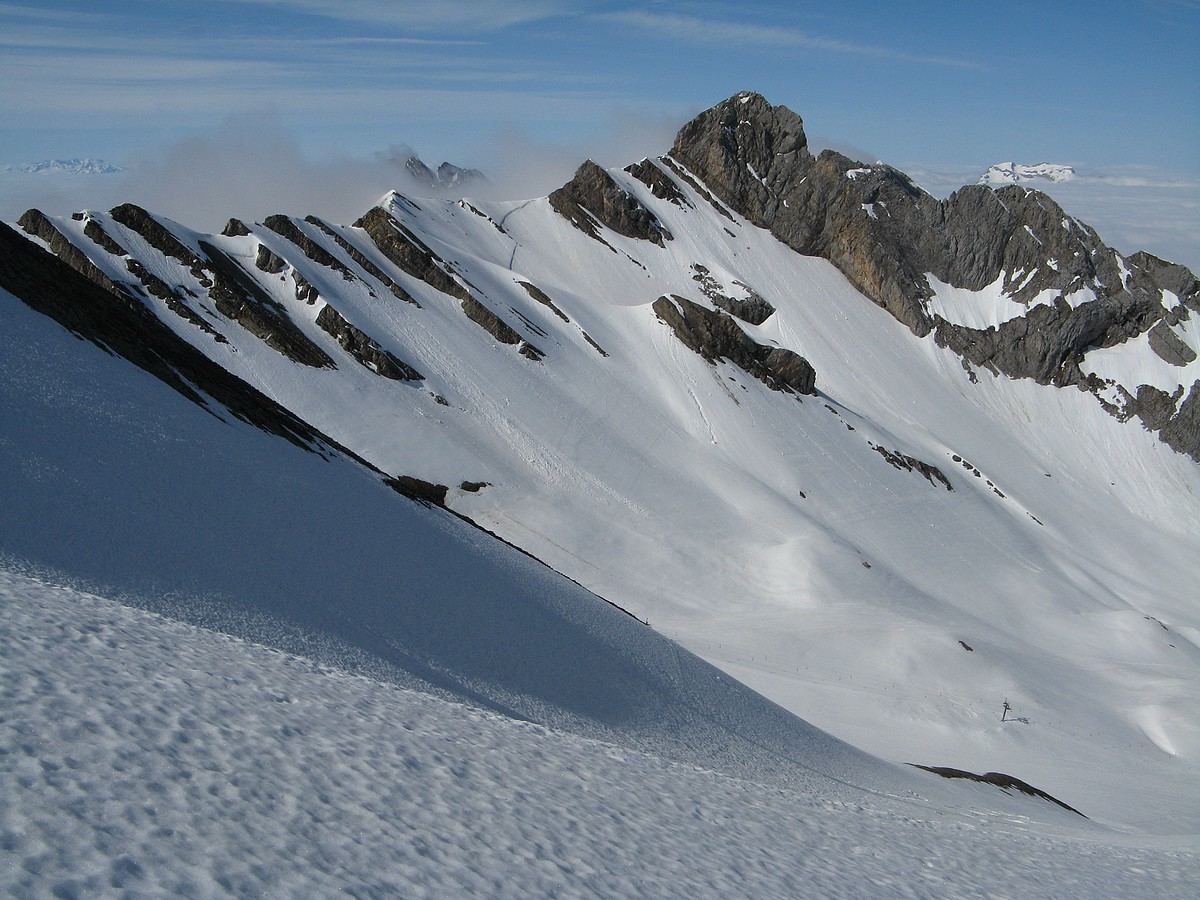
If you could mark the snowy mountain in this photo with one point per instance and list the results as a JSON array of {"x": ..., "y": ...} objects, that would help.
[
  {"x": 447, "y": 176},
  {"x": 888, "y": 460},
  {"x": 1018, "y": 173},
  {"x": 63, "y": 167}
]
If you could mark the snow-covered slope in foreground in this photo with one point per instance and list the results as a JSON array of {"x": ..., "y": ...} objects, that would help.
[
  {"x": 890, "y": 558},
  {"x": 149, "y": 756}
]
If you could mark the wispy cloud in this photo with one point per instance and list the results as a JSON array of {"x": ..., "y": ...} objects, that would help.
[
  {"x": 714, "y": 31},
  {"x": 448, "y": 15}
]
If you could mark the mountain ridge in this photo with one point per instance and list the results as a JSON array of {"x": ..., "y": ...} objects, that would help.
[{"x": 595, "y": 387}]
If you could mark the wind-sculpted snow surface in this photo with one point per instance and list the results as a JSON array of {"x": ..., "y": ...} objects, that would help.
[
  {"x": 145, "y": 756},
  {"x": 960, "y": 478}
]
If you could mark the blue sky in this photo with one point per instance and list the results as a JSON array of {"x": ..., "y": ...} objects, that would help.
[{"x": 1100, "y": 84}]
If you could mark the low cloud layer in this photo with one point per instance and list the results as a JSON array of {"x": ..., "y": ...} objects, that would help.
[{"x": 251, "y": 167}]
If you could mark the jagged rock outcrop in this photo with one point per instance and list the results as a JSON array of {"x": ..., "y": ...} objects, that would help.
[
  {"x": 237, "y": 296},
  {"x": 95, "y": 231},
  {"x": 1169, "y": 346},
  {"x": 235, "y": 228},
  {"x": 358, "y": 344},
  {"x": 286, "y": 228},
  {"x": 408, "y": 252},
  {"x": 35, "y": 222},
  {"x": 885, "y": 233},
  {"x": 124, "y": 326},
  {"x": 411, "y": 254},
  {"x": 715, "y": 335},
  {"x": 543, "y": 298},
  {"x": 1182, "y": 432},
  {"x": 906, "y": 463},
  {"x": 269, "y": 262},
  {"x": 752, "y": 308},
  {"x": 160, "y": 238},
  {"x": 592, "y": 197},
  {"x": 659, "y": 182},
  {"x": 367, "y": 266}
]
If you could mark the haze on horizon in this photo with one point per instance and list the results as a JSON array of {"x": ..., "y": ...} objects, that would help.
[{"x": 251, "y": 106}]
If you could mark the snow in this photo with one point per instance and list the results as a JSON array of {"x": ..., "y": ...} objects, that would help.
[
  {"x": 853, "y": 174},
  {"x": 1133, "y": 363},
  {"x": 152, "y": 756},
  {"x": 1016, "y": 173},
  {"x": 869, "y": 209},
  {"x": 741, "y": 522},
  {"x": 74, "y": 166},
  {"x": 987, "y": 308},
  {"x": 296, "y": 682}
]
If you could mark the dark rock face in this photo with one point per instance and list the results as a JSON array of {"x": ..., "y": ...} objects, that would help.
[
  {"x": 404, "y": 249},
  {"x": 409, "y": 253},
  {"x": 884, "y": 233},
  {"x": 715, "y": 335},
  {"x": 906, "y": 463},
  {"x": 268, "y": 262},
  {"x": 235, "y": 228},
  {"x": 1182, "y": 433},
  {"x": 543, "y": 298},
  {"x": 1048, "y": 342},
  {"x": 237, "y": 296},
  {"x": 159, "y": 237},
  {"x": 490, "y": 322},
  {"x": 752, "y": 308},
  {"x": 124, "y": 326},
  {"x": 1153, "y": 406},
  {"x": 172, "y": 299},
  {"x": 593, "y": 197},
  {"x": 359, "y": 257},
  {"x": 422, "y": 491},
  {"x": 286, "y": 228},
  {"x": 660, "y": 183},
  {"x": 1169, "y": 347},
  {"x": 305, "y": 291},
  {"x": 96, "y": 232},
  {"x": 356, "y": 342},
  {"x": 35, "y": 222}
]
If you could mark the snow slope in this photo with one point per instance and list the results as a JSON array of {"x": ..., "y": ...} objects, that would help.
[
  {"x": 398, "y": 702},
  {"x": 762, "y": 530},
  {"x": 149, "y": 756}
]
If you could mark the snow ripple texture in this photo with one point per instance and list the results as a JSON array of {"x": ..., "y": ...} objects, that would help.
[{"x": 143, "y": 756}]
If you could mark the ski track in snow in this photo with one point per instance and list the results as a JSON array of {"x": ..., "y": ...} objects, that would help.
[{"x": 146, "y": 756}]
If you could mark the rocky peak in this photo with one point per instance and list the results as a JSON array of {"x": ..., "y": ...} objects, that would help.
[
  {"x": 886, "y": 235},
  {"x": 593, "y": 196},
  {"x": 745, "y": 146}
]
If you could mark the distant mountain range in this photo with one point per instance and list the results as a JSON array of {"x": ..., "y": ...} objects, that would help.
[
  {"x": 76, "y": 166},
  {"x": 447, "y": 176},
  {"x": 1016, "y": 173}
]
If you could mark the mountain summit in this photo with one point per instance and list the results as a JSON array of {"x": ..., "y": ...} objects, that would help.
[{"x": 890, "y": 460}]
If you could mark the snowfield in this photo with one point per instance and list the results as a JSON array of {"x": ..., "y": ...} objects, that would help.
[
  {"x": 721, "y": 620},
  {"x": 146, "y": 756}
]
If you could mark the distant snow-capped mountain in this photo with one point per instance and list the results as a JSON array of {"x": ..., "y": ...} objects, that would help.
[
  {"x": 446, "y": 176},
  {"x": 76, "y": 166},
  {"x": 1015, "y": 173}
]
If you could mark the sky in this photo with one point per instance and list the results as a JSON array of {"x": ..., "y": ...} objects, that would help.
[{"x": 528, "y": 88}]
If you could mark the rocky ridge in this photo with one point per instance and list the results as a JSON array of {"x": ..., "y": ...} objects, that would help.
[{"x": 886, "y": 235}]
